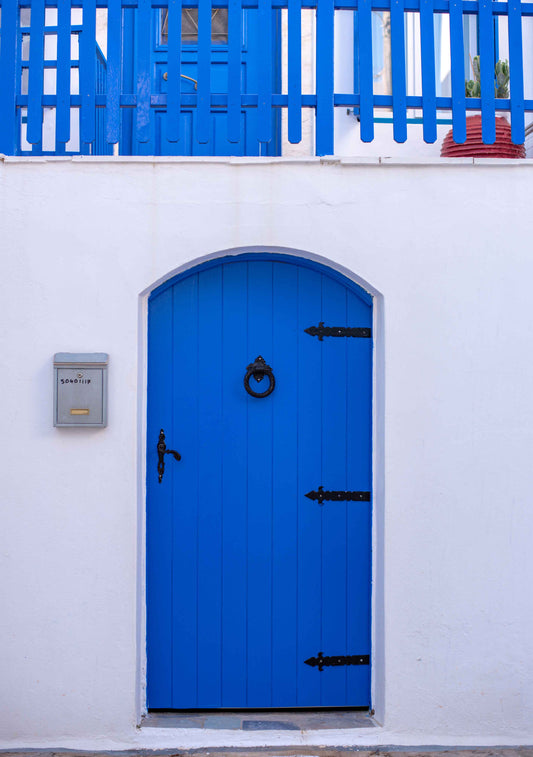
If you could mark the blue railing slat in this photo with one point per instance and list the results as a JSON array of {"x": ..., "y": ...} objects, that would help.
[
  {"x": 486, "y": 56},
  {"x": 63, "y": 71},
  {"x": 399, "y": 110},
  {"x": 516, "y": 68},
  {"x": 294, "y": 72},
  {"x": 264, "y": 114},
  {"x": 325, "y": 35},
  {"x": 366, "y": 73},
  {"x": 234, "y": 70},
  {"x": 204, "y": 71},
  {"x": 88, "y": 73},
  {"x": 8, "y": 77},
  {"x": 36, "y": 73},
  {"x": 457, "y": 71},
  {"x": 114, "y": 56},
  {"x": 427, "y": 54},
  {"x": 174, "y": 71},
  {"x": 143, "y": 34}
]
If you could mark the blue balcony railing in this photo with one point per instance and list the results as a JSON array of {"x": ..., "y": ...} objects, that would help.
[{"x": 176, "y": 78}]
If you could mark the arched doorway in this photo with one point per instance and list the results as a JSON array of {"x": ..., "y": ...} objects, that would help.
[{"x": 259, "y": 536}]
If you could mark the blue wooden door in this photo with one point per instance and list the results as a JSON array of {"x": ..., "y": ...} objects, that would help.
[
  {"x": 251, "y": 68},
  {"x": 247, "y": 576}
]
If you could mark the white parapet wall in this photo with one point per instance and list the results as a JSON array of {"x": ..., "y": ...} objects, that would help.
[{"x": 446, "y": 250}]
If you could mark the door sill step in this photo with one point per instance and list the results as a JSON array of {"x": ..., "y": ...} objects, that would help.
[{"x": 269, "y": 720}]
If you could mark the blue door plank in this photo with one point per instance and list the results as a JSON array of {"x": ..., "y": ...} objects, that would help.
[
  {"x": 159, "y": 515},
  {"x": 516, "y": 68},
  {"x": 366, "y": 75},
  {"x": 334, "y": 476},
  {"x": 427, "y": 46},
  {"x": 185, "y": 493},
  {"x": 285, "y": 486},
  {"x": 114, "y": 60},
  {"x": 63, "y": 71},
  {"x": 399, "y": 102},
  {"x": 8, "y": 77},
  {"x": 36, "y": 74},
  {"x": 259, "y": 590},
  {"x": 234, "y": 486},
  {"x": 209, "y": 392},
  {"x": 457, "y": 71},
  {"x": 310, "y": 590},
  {"x": 486, "y": 57},
  {"x": 294, "y": 73},
  {"x": 359, "y": 514},
  {"x": 88, "y": 73}
]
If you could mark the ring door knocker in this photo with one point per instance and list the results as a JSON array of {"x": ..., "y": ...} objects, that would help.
[
  {"x": 259, "y": 369},
  {"x": 161, "y": 452}
]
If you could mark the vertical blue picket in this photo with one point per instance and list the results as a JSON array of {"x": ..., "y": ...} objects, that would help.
[
  {"x": 325, "y": 34},
  {"x": 264, "y": 104},
  {"x": 427, "y": 46},
  {"x": 334, "y": 544},
  {"x": 234, "y": 69},
  {"x": 8, "y": 77},
  {"x": 457, "y": 71},
  {"x": 88, "y": 73},
  {"x": 235, "y": 358},
  {"x": 399, "y": 102},
  {"x": 516, "y": 68},
  {"x": 359, "y": 514},
  {"x": 114, "y": 60},
  {"x": 366, "y": 76},
  {"x": 294, "y": 74},
  {"x": 36, "y": 74},
  {"x": 159, "y": 513},
  {"x": 63, "y": 71},
  {"x": 309, "y": 547},
  {"x": 259, "y": 443},
  {"x": 486, "y": 56},
  {"x": 174, "y": 71},
  {"x": 185, "y": 493},
  {"x": 210, "y": 339},
  {"x": 143, "y": 27},
  {"x": 204, "y": 71},
  {"x": 285, "y": 486}
]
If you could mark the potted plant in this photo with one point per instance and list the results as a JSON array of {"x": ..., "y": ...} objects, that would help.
[{"x": 474, "y": 146}]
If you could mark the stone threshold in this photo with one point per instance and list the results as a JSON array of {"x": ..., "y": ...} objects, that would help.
[{"x": 261, "y": 720}]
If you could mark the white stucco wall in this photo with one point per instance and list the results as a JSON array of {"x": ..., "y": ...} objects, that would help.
[{"x": 448, "y": 250}]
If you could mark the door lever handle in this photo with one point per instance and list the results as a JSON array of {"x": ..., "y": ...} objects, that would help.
[{"x": 161, "y": 452}]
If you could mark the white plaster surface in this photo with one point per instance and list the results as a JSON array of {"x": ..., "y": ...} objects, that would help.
[{"x": 446, "y": 247}]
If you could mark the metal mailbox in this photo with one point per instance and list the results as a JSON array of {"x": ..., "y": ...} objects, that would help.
[{"x": 80, "y": 389}]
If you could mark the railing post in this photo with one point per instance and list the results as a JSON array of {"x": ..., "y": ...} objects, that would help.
[
  {"x": 325, "y": 116},
  {"x": 8, "y": 77}
]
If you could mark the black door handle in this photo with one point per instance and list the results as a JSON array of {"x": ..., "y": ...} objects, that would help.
[{"x": 161, "y": 452}]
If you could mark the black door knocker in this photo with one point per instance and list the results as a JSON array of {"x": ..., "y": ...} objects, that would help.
[
  {"x": 161, "y": 452},
  {"x": 259, "y": 369}
]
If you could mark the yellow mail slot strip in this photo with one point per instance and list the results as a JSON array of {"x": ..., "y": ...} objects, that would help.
[{"x": 79, "y": 411}]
